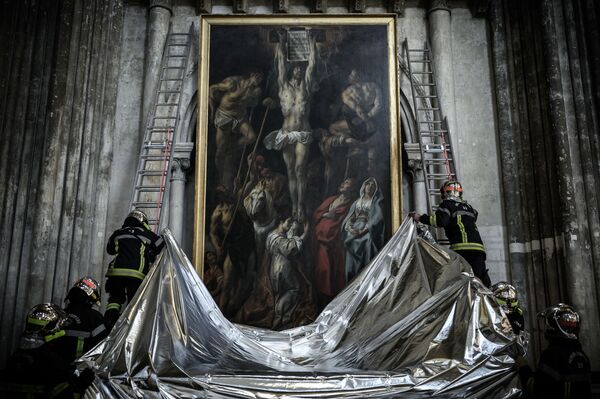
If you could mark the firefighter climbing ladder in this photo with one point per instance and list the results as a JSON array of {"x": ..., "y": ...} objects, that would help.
[
  {"x": 434, "y": 138},
  {"x": 152, "y": 176}
]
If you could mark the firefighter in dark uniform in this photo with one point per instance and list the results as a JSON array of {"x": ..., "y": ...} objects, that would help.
[
  {"x": 458, "y": 219},
  {"x": 37, "y": 369},
  {"x": 135, "y": 247},
  {"x": 564, "y": 369},
  {"x": 84, "y": 327},
  {"x": 506, "y": 296}
]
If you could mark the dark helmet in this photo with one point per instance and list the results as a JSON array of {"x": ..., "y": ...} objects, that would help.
[
  {"x": 561, "y": 321},
  {"x": 44, "y": 319},
  {"x": 85, "y": 289},
  {"x": 451, "y": 189},
  {"x": 138, "y": 215},
  {"x": 506, "y": 295}
]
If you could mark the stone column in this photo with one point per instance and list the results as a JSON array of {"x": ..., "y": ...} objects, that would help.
[
  {"x": 159, "y": 15},
  {"x": 181, "y": 163},
  {"x": 415, "y": 168},
  {"x": 440, "y": 36}
]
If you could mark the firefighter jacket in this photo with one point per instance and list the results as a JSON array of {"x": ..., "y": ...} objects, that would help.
[
  {"x": 41, "y": 372},
  {"x": 516, "y": 320},
  {"x": 563, "y": 372},
  {"x": 135, "y": 247},
  {"x": 458, "y": 220},
  {"x": 83, "y": 329}
]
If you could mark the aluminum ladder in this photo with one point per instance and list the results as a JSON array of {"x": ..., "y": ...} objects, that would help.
[
  {"x": 434, "y": 138},
  {"x": 152, "y": 182}
]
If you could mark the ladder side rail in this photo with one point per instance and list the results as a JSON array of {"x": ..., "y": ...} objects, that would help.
[
  {"x": 165, "y": 192},
  {"x": 451, "y": 169},
  {"x": 415, "y": 105},
  {"x": 147, "y": 131}
]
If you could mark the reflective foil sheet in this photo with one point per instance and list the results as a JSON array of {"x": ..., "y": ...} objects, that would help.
[{"x": 413, "y": 324}]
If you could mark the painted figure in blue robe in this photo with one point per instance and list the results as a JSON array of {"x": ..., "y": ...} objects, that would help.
[{"x": 363, "y": 228}]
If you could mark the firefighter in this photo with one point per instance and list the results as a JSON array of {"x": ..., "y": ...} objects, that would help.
[
  {"x": 564, "y": 369},
  {"x": 84, "y": 327},
  {"x": 506, "y": 296},
  {"x": 37, "y": 369},
  {"x": 135, "y": 247},
  {"x": 458, "y": 219}
]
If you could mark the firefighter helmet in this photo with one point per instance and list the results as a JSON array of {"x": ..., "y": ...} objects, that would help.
[
  {"x": 44, "y": 319},
  {"x": 561, "y": 321},
  {"x": 451, "y": 189},
  {"x": 87, "y": 289},
  {"x": 139, "y": 215},
  {"x": 506, "y": 295}
]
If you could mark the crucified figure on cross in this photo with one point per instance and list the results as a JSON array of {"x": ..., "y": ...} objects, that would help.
[{"x": 294, "y": 138}]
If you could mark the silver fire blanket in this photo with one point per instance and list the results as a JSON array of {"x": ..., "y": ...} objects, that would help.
[{"x": 414, "y": 324}]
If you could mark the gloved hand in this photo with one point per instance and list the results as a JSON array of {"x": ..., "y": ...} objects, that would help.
[
  {"x": 110, "y": 318},
  {"x": 83, "y": 381}
]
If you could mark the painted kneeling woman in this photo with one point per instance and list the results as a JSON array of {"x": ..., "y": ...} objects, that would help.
[{"x": 363, "y": 228}]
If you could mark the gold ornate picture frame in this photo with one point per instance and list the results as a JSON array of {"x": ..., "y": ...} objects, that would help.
[{"x": 298, "y": 165}]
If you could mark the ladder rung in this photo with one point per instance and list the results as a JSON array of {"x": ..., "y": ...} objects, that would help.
[
  {"x": 434, "y": 96},
  {"x": 154, "y": 157},
  {"x": 431, "y": 122},
  {"x": 173, "y": 67},
  {"x": 164, "y": 117},
  {"x": 439, "y": 178},
  {"x": 428, "y": 109},
  {"x": 422, "y": 73},
  {"x": 149, "y": 189},
  {"x": 423, "y": 84},
  {"x": 419, "y": 50},
  {"x": 156, "y": 146},
  {"x": 420, "y": 61},
  {"x": 438, "y": 161},
  {"x": 433, "y": 131},
  {"x": 172, "y": 80},
  {"x": 145, "y": 172},
  {"x": 437, "y": 174},
  {"x": 145, "y": 204},
  {"x": 160, "y": 128}
]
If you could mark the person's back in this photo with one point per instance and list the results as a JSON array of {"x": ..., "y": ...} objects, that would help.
[
  {"x": 39, "y": 369},
  {"x": 84, "y": 327},
  {"x": 458, "y": 218},
  {"x": 135, "y": 247},
  {"x": 563, "y": 371}
]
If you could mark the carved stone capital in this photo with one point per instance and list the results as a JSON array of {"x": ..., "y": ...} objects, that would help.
[
  {"x": 281, "y": 6},
  {"x": 240, "y": 6},
  {"x": 166, "y": 4},
  {"x": 397, "y": 6},
  {"x": 415, "y": 164},
  {"x": 203, "y": 6},
  {"x": 181, "y": 160},
  {"x": 179, "y": 169},
  {"x": 319, "y": 6},
  {"x": 357, "y": 5},
  {"x": 438, "y": 5}
]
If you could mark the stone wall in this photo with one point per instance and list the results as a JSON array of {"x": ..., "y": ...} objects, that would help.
[
  {"x": 545, "y": 62},
  {"x": 59, "y": 68}
]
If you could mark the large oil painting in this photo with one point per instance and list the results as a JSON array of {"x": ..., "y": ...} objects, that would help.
[{"x": 298, "y": 158}]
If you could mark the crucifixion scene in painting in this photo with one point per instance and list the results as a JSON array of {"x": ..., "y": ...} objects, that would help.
[{"x": 297, "y": 171}]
